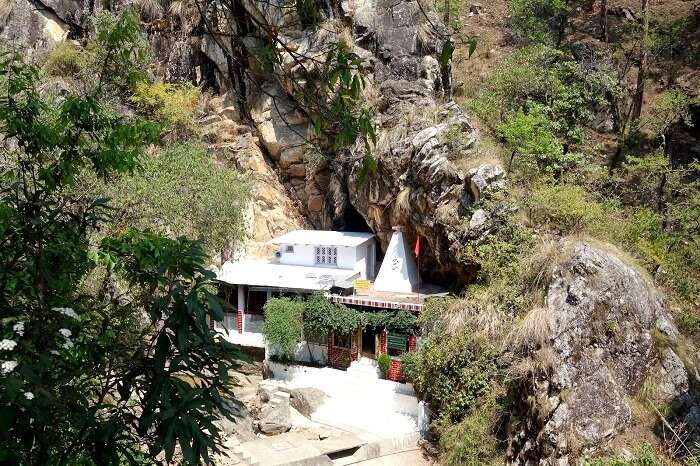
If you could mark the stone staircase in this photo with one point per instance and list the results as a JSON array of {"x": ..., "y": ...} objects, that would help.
[{"x": 364, "y": 368}]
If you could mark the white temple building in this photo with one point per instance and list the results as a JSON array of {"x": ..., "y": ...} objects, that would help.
[{"x": 339, "y": 264}]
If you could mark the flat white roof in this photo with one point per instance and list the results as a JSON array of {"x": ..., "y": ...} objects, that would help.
[
  {"x": 282, "y": 276},
  {"x": 323, "y": 238}
]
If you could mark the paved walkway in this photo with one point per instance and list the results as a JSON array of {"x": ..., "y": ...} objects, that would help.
[
  {"x": 404, "y": 458},
  {"x": 359, "y": 405}
]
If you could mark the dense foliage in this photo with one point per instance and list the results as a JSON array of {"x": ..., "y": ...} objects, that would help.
[
  {"x": 454, "y": 373},
  {"x": 107, "y": 357},
  {"x": 538, "y": 21},
  {"x": 321, "y": 317},
  {"x": 180, "y": 191},
  {"x": 283, "y": 325}
]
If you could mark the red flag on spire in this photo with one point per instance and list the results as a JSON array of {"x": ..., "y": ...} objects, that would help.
[{"x": 416, "y": 248}]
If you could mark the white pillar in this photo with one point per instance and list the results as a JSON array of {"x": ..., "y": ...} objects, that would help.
[{"x": 241, "y": 306}]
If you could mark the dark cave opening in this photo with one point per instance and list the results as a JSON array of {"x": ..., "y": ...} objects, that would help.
[{"x": 351, "y": 221}]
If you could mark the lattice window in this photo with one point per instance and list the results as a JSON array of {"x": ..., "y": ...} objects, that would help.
[{"x": 326, "y": 255}]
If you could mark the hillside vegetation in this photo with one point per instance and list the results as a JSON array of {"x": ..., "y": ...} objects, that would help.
[{"x": 131, "y": 158}]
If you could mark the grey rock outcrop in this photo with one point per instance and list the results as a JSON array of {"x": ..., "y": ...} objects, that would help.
[
  {"x": 32, "y": 27},
  {"x": 420, "y": 135},
  {"x": 306, "y": 400},
  {"x": 275, "y": 418},
  {"x": 608, "y": 325},
  {"x": 486, "y": 177}
]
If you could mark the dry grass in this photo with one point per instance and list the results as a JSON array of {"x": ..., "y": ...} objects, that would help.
[
  {"x": 539, "y": 267},
  {"x": 5, "y": 8},
  {"x": 539, "y": 362},
  {"x": 402, "y": 205},
  {"x": 485, "y": 319},
  {"x": 149, "y": 9},
  {"x": 532, "y": 332}
]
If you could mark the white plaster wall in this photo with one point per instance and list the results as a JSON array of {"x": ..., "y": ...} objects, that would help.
[
  {"x": 304, "y": 254},
  {"x": 313, "y": 353},
  {"x": 253, "y": 323},
  {"x": 361, "y": 261}
]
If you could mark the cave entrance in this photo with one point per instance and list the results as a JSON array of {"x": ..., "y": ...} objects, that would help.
[{"x": 352, "y": 221}]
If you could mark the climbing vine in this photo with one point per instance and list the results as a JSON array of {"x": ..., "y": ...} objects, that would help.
[{"x": 322, "y": 317}]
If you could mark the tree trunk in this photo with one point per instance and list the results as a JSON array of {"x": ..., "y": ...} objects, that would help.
[
  {"x": 617, "y": 156},
  {"x": 641, "y": 76},
  {"x": 604, "y": 21}
]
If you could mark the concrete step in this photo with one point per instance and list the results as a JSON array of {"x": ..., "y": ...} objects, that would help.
[
  {"x": 279, "y": 398},
  {"x": 245, "y": 456}
]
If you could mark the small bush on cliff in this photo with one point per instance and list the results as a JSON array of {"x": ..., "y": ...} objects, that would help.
[
  {"x": 173, "y": 105},
  {"x": 282, "y": 327},
  {"x": 499, "y": 257},
  {"x": 64, "y": 60},
  {"x": 567, "y": 207},
  {"x": 472, "y": 441}
]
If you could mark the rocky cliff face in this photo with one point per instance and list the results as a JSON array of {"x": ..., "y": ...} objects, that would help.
[
  {"x": 610, "y": 336},
  {"x": 416, "y": 183}
]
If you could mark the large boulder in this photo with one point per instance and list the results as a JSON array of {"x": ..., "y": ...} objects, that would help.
[
  {"x": 306, "y": 400},
  {"x": 610, "y": 332},
  {"x": 416, "y": 154},
  {"x": 33, "y": 30},
  {"x": 276, "y": 417}
]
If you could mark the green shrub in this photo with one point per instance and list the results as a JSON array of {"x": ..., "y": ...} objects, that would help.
[
  {"x": 384, "y": 363},
  {"x": 471, "y": 442},
  {"x": 538, "y": 21},
  {"x": 282, "y": 327},
  {"x": 500, "y": 261},
  {"x": 454, "y": 372},
  {"x": 410, "y": 365},
  {"x": 566, "y": 207},
  {"x": 174, "y": 105},
  {"x": 181, "y": 191},
  {"x": 64, "y": 60}
]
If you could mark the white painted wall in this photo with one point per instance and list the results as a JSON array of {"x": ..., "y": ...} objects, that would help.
[
  {"x": 312, "y": 353},
  {"x": 305, "y": 254},
  {"x": 361, "y": 261},
  {"x": 253, "y": 323}
]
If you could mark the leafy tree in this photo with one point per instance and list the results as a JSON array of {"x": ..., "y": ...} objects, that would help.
[
  {"x": 180, "y": 191},
  {"x": 530, "y": 135},
  {"x": 283, "y": 325},
  {"x": 553, "y": 85},
  {"x": 538, "y": 21},
  {"x": 122, "y": 371}
]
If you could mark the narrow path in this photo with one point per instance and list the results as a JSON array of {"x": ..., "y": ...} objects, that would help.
[{"x": 412, "y": 457}]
